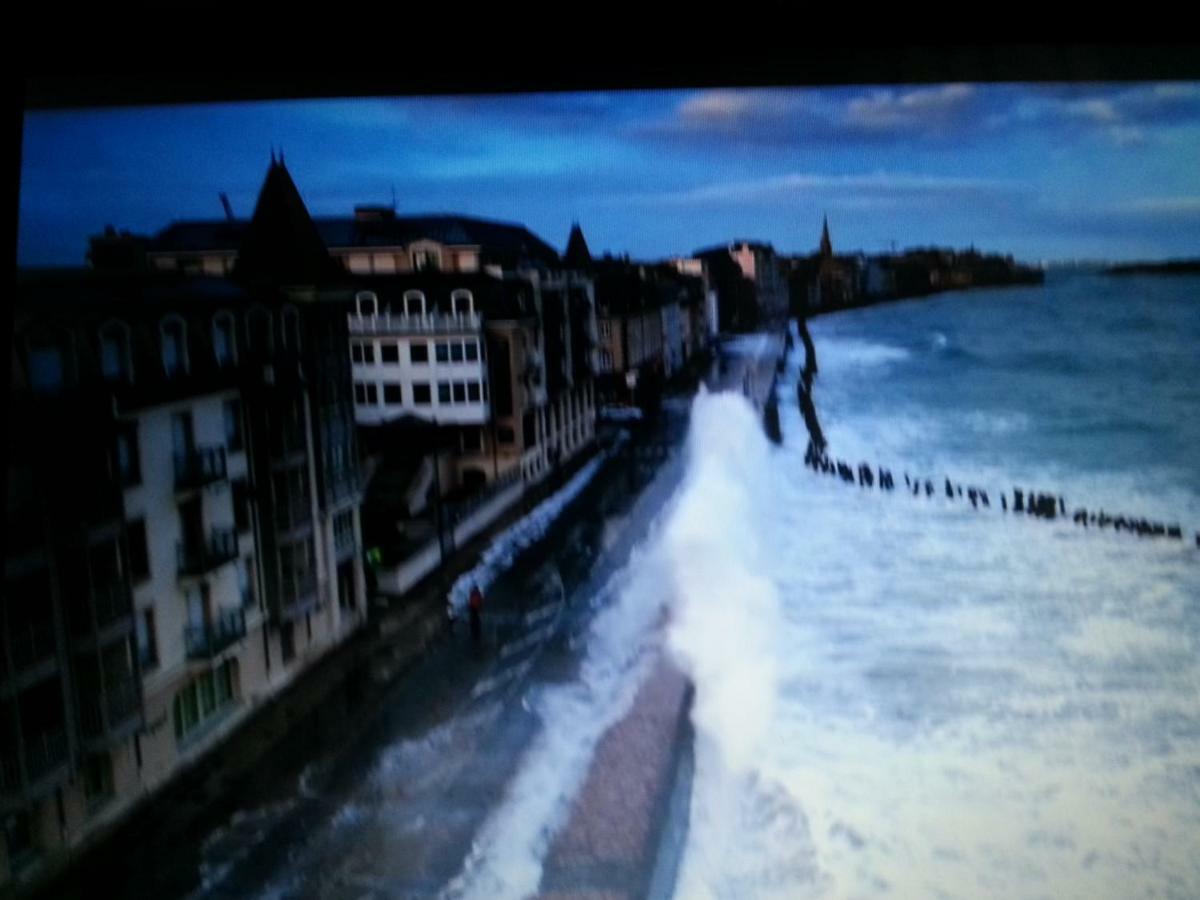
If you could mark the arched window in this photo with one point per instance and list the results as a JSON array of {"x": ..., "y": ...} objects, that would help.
[
  {"x": 49, "y": 358},
  {"x": 224, "y": 339},
  {"x": 115, "y": 363},
  {"x": 461, "y": 302},
  {"x": 291, "y": 328},
  {"x": 414, "y": 303},
  {"x": 260, "y": 336},
  {"x": 367, "y": 302},
  {"x": 173, "y": 336}
]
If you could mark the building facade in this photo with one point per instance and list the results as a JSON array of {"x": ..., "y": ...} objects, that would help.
[{"x": 184, "y": 536}]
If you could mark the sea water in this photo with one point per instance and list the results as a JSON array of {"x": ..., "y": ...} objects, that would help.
[{"x": 905, "y": 696}]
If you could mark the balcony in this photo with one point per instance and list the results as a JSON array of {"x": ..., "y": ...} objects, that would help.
[
  {"x": 31, "y": 644},
  {"x": 298, "y": 595},
  {"x": 207, "y": 641},
  {"x": 108, "y": 712},
  {"x": 44, "y": 754},
  {"x": 199, "y": 467},
  {"x": 436, "y": 322},
  {"x": 220, "y": 548},
  {"x": 111, "y": 602}
]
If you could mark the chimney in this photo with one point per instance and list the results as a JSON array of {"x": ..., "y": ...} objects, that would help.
[{"x": 228, "y": 208}]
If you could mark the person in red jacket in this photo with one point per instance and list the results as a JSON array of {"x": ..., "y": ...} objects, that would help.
[{"x": 475, "y": 605}]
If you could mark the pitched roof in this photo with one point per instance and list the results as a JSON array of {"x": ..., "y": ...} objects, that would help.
[
  {"x": 500, "y": 242},
  {"x": 281, "y": 244},
  {"x": 577, "y": 256}
]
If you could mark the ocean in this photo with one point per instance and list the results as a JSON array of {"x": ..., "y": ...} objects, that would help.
[{"x": 910, "y": 697}]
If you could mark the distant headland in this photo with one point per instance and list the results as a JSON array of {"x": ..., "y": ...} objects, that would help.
[{"x": 1169, "y": 267}]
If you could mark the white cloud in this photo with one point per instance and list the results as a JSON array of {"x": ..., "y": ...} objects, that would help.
[
  {"x": 797, "y": 184},
  {"x": 923, "y": 107}
]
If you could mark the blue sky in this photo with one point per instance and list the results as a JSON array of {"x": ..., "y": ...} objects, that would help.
[{"x": 1040, "y": 171}]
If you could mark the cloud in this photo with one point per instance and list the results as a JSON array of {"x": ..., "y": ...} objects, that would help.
[
  {"x": 777, "y": 115},
  {"x": 1124, "y": 114},
  {"x": 912, "y": 110},
  {"x": 858, "y": 190}
]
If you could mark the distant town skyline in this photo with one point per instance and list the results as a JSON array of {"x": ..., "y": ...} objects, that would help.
[{"x": 1044, "y": 172}]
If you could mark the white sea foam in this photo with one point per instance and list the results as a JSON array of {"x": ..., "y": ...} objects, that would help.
[
  {"x": 503, "y": 551},
  {"x": 969, "y": 704},
  {"x": 507, "y": 857}
]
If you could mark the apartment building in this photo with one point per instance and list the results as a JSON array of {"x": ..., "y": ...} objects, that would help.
[
  {"x": 504, "y": 333},
  {"x": 183, "y": 531}
]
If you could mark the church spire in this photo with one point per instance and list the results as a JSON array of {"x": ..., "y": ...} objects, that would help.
[
  {"x": 826, "y": 244},
  {"x": 577, "y": 256}
]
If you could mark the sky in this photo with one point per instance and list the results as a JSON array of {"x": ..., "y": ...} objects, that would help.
[{"x": 1044, "y": 172}]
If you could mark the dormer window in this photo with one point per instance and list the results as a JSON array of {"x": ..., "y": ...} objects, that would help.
[
  {"x": 414, "y": 303},
  {"x": 114, "y": 352},
  {"x": 259, "y": 332},
  {"x": 368, "y": 303},
  {"x": 424, "y": 260},
  {"x": 224, "y": 340},
  {"x": 173, "y": 334},
  {"x": 291, "y": 328},
  {"x": 461, "y": 302}
]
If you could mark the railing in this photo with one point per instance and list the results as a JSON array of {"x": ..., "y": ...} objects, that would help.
[
  {"x": 199, "y": 466},
  {"x": 10, "y": 774},
  {"x": 292, "y": 513},
  {"x": 106, "y": 711},
  {"x": 206, "y": 641},
  {"x": 111, "y": 601},
  {"x": 298, "y": 594},
  {"x": 457, "y": 511},
  {"x": 44, "y": 753},
  {"x": 221, "y": 548},
  {"x": 31, "y": 644},
  {"x": 427, "y": 323}
]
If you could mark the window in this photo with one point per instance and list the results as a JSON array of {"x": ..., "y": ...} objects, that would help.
[
  {"x": 442, "y": 352},
  {"x": 372, "y": 395},
  {"x": 473, "y": 391},
  {"x": 224, "y": 347},
  {"x": 245, "y": 581},
  {"x": 362, "y": 352},
  {"x": 471, "y": 349},
  {"x": 47, "y": 366},
  {"x": 139, "y": 554},
  {"x": 391, "y": 393},
  {"x": 260, "y": 333},
  {"x": 605, "y": 329},
  {"x": 146, "y": 643},
  {"x": 414, "y": 303},
  {"x": 202, "y": 700},
  {"x": 356, "y": 353},
  {"x": 461, "y": 302},
  {"x": 173, "y": 335},
  {"x": 97, "y": 779},
  {"x": 241, "y": 504},
  {"x": 114, "y": 352},
  {"x": 424, "y": 259},
  {"x": 368, "y": 303},
  {"x": 505, "y": 435},
  {"x": 421, "y": 396},
  {"x": 233, "y": 425},
  {"x": 287, "y": 641},
  {"x": 460, "y": 392},
  {"x": 456, "y": 352},
  {"x": 389, "y": 352},
  {"x": 443, "y": 392},
  {"x": 360, "y": 393},
  {"x": 129, "y": 468},
  {"x": 419, "y": 352},
  {"x": 291, "y": 328}
]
